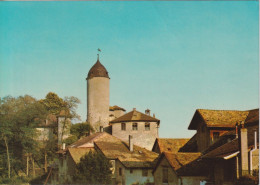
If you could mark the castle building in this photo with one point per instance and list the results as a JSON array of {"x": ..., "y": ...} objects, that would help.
[{"x": 142, "y": 127}]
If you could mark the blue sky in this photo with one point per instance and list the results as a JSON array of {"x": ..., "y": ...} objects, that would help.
[{"x": 170, "y": 57}]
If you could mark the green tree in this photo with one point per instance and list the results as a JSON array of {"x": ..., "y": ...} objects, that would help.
[
  {"x": 81, "y": 129},
  {"x": 77, "y": 131},
  {"x": 53, "y": 103},
  {"x": 94, "y": 168},
  {"x": 19, "y": 118}
]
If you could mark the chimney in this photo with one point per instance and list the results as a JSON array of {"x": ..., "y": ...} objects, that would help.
[
  {"x": 131, "y": 144},
  {"x": 63, "y": 146},
  {"x": 153, "y": 115},
  {"x": 134, "y": 109},
  {"x": 255, "y": 140},
  {"x": 147, "y": 112},
  {"x": 101, "y": 129},
  {"x": 236, "y": 129},
  {"x": 243, "y": 148}
]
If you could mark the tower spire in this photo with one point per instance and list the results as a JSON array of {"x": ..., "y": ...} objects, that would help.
[{"x": 99, "y": 50}]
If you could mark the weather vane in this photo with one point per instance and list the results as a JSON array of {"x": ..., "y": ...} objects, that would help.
[{"x": 99, "y": 50}]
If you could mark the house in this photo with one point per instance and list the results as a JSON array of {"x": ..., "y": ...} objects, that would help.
[
  {"x": 115, "y": 112},
  {"x": 59, "y": 122},
  {"x": 236, "y": 153},
  {"x": 211, "y": 124},
  {"x": 143, "y": 127},
  {"x": 168, "y": 144},
  {"x": 131, "y": 164},
  {"x": 179, "y": 169}
]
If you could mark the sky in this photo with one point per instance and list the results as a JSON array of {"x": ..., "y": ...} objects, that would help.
[{"x": 172, "y": 57}]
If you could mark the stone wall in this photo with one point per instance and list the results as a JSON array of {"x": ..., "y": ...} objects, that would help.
[{"x": 141, "y": 137}]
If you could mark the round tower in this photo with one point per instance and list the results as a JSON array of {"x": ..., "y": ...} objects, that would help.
[{"x": 98, "y": 96}]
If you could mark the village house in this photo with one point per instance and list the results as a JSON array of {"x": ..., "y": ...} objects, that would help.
[
  {"x": 211, "y": 124},
  {"x": 61, "y": 123},
  {"x": 131, "y": 164},
  {"x": 236, "y": 153},
  {"x": 143, "y": 127},
  {"x": 179, "y": 169}
]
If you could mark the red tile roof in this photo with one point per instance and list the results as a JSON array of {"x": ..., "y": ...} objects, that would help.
[{"x": 135, "y": 116}]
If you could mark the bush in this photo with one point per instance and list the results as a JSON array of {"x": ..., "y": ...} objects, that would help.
[
  {"x": 15, "y": 180},
  {"x": 94, "y": 168}
]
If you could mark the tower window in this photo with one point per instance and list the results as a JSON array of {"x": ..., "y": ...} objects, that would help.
[
  {"x": 147, "y": 126},
  {"x": 122, "y": 126},
  {"x": 134, "y": 126}
]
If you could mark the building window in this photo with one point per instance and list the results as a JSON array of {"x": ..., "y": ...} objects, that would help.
[
  {"x": 120, "y": 171},
  {"x": 165, "y": 175},
  {"x": 131, "y": 170},
  {"x": 147, "y": 126},
  {"x": 122, "y": 126},
  {"x": 134, "y": 126},
  {"x": 215, "y": 136},
  {"x": 145, "y": 172}
]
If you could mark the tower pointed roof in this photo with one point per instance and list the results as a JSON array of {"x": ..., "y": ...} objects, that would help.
[{"x": 97, "y": 70}]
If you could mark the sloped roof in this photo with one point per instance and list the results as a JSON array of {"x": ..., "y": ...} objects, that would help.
[
  {"x": 134, "y": 116},
  {"x": 233, "y": 146},
  {"x": 190, "y": 146},
  {"x": 221, "y": 141},
  {"x": 97, "y": 70},
  {"x": 184, "y": 164},
  {"x": 170, "y": 144},
  {"x": 177, "y": 160},
  {"x": 253, "y": 116},
  {"x": 115, "y": 107},
  {"x": 87, "y": 141},
  {"x": 218, "y": 118},
  {"x": 77, "y": 153},
  {"x": 114, "y": 148}
]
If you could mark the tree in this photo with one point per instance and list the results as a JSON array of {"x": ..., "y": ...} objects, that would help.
[
  {"x": 77, "y": 131},
  {"x": 94, "y": 168},
  {"x": 19, "y": 118},
  {"x": 81, "y": 129},
  {"x": 53, "y": 103}
]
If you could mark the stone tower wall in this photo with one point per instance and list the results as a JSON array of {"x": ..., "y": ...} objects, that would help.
[{"x": 98, "y": 102}]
